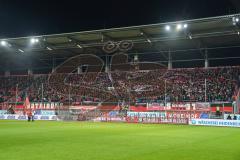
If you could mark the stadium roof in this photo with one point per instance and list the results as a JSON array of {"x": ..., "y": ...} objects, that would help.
[{"x": 216, "y": 34}]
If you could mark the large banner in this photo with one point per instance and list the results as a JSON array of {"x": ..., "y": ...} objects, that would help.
[
  {"x": 181, "y": 106},
  {"x": 146, "y": 114},
  {"x": 215, "y": 122},
  {"x": 153, "y": 117},
  {"x": 179, "y": 114},
  {"x": 24, "y": 117},
  {"x": 157, "y": 107},
  {"x": 44, "y": 105}
]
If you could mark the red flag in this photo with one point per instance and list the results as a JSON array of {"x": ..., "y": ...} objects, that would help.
[{"x": 27, "y": 102}]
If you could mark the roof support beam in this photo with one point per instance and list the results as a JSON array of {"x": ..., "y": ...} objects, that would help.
[
  {"x": 145, "y": 35},
  {"x": 104, "y": 35},
  {"x": 198, "y": 41},
  {"x": 77, "y": 42},
  {"x": 48, "y": 46}
]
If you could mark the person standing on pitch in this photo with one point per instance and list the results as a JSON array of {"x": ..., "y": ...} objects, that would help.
[
  {"x": 29, "y": 114},
  {"x": 33, "y": 114}
]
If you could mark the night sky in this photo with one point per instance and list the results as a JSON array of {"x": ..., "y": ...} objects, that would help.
[{"x": 26, "y": 18}]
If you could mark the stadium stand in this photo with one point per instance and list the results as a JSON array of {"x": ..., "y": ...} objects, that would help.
[{"x": 182, "y": 85}]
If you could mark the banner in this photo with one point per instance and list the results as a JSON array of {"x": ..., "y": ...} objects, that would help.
[
  {"x": 179, "y": 114},
  {"x": 215, "y": 122},
  {"x": 181, "y": 106},
  {"x": 109, "y": 119},
  {"x": 24, "y": 117},
  {"x": 19, "y": 106},
  {"x": 146, "y": 114},
  {"x": 85, "y": 108},
  {"x": 156, "y": 107},
  {"x": 138, "y": 108},
  {"x": 46, "y": 118},
  {"x": 204, "y": 106},
  {"x": 158, "y": 118},
  {"x": 222, "y": 107},
  {"x": 45, "y": 112},
  {"x": 44, "y": 105}
]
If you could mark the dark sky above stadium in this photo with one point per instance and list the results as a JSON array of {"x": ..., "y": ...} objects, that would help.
[{"x": 36, "y": 17}]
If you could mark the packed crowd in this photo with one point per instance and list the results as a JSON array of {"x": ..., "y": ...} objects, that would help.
[
  {"x": 213, "y": 84},
  {"x": 13, "y": 87},
  {"x": 177, "y": 85}
]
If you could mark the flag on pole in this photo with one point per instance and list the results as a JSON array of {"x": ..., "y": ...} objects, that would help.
[
  {"x": 26, "y": 103},
  {"x": 238, "y": 101}
]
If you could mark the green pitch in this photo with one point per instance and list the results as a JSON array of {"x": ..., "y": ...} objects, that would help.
[{"x": 20, "y": 140}]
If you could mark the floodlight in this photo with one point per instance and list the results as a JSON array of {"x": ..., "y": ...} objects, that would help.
[
  {"x": 3, "y": 43},
  {"x": 179, "y": 26},
  {"x": 235, "y": 20},
  {"x": 34, "y": 40},
  {"x": 168, "y": 28},
  {"x": 185, "y": 25}
]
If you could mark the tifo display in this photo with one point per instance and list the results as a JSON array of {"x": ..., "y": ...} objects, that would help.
[{"x": 181, "y": 96}]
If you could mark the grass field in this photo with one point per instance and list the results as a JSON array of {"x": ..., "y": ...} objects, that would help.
[{"x": 20, "y": 140}]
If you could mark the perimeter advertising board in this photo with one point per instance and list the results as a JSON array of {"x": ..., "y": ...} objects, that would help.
[
  {"x": 24, "y": 117},
  {"x": 215, "y": 122}
]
